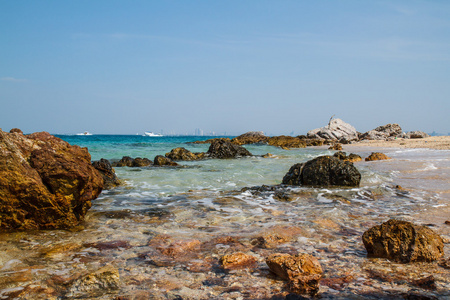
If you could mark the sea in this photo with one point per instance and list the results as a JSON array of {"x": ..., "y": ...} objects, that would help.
[{"x": 162, "y": 233}]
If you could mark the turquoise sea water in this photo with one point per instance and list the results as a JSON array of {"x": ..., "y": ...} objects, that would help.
[{"x": 204, "y": 200}]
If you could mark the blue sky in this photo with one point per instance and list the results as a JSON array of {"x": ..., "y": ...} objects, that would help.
[{"x": 224, "y": 66}]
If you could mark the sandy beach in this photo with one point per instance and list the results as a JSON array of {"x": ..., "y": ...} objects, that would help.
[{"x": 432, "y": 142}]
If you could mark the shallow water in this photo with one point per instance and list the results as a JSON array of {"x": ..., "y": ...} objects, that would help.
[{"x": 129, "y": 228}]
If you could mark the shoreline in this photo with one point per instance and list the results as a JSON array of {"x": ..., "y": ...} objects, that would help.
[{"x": 432, "y": 142}]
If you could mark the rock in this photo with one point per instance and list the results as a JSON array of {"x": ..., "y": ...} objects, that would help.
[
  {"x": 377, "y": 156},
  {"x": 336, "y": 146},
  {"x": 383, "y": 132},
  {"x": 181, "y": 153},
  {"x": 416, "y": 135},
  {"x": 110, "y": 178},
  {"x": 141, "y": 162},
  {"x": 323, "y": 171},
  {"x": 237, "y": 260},
  {"x": 224, "y": 149},
  {"x": 335, "y": 130},
  {"x": 15, "y": 130},
  {"x": 276, "y": 236},
  {"x": 179, "y": 248},
  {"x": 251, "y": 137},
  {"x": 126, "y": 161},
  {"x": 164, "y": 161},
  {"x": 210, "y": 141},
  {"x": 98, "y": 283},
  {"x": 350, "y": 158},
  {"x": 428, "y": 283},
  {"x": 302, "y": 271},
  {"x": 45, "y": 183},
  {"x": 284, "y": 141},
  {"x": 403, "y": 241}
]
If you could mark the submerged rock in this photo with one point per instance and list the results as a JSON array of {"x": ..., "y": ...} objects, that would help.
[
  {"x": 403, "y": 242},
  {"x": 351, "y": 157},
  {"x": 377, "y": 156},
  {"x": 237, "y": 260},
  {"x": 110, "y": 178},
  {"x": 127, "y": 161},
  {"x": 302, "y": 271},
  {"x": 224, "y": 149},
  {"x": 44, "y": 182},
  {"x": 383, "y": 132},
  {"x": 335, "y": 130},
  {"x": 98, "y": 283},
  {"x": 164, "y": 161},
  {"x": 323, "y": 171},
  {"x": 181, "y": 153}
]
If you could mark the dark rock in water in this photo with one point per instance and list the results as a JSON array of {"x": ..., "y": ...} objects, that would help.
[
  {"x": 351, "y": 157},
  {"x": 96, "y": 284},
  {"x": 377, "y": 156},
  {"x": 110, "y": 178},
  {"x": 252, "y": 137},
  {"x": 237, "y": 260},
  {"x": 45, "y": 183},
  {"x": 224, "y": 149},
  {"x": 127, "y": 161},
  {"x": 383, "y": 132},
  {"x": 323, "y": 171},
  {"x": 181, "y": 153},
  {"x": 416, "y": 135},
  {"x": 164, "y": 161},
  {"x": 403, "y": 241}
]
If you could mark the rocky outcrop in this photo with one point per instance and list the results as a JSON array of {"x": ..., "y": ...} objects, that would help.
[
  {"x": 352, "y": 157},
  {"x": 181, "y": 153},
  {"x": 377, "y": 156},
  {"x": 403, "y": 241},
  {"x": 127, "y": 161},
  {"x": 335, "y": 130},
  {"x": 323, "y": 171},
  {"x": 164, "y": 161},
  {"x": 337, "y": 147},
  {"x": 284, "y": 141},
  {"x": 224, "y": 149},
  {"x": 302, "y": 271},
  {"x": 251, "y": 137},
  {"x": 385, "y": 132},
  {"x": 416, "y": 135},
  {"x": 45, "y": 182},
  {"x": 110, "y": 178}
]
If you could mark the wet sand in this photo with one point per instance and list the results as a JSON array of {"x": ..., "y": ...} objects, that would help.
[{"x": 432, "y": 142}]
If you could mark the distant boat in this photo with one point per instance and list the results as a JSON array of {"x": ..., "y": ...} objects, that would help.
[
  {"x": 85, "y": 133},
  {"x": 149, "y": 133}
]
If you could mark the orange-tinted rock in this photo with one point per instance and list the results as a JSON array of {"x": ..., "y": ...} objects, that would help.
[
  {"x": 336, "y": 146},
  {"x": 44, "y": 182},
  {"x": 302, "y": 271},
  {"x": 164, "y": 161},
  {"x": 403, "y": 242},
  {"x": 377, "y": 156},
  {"x": 181, "y": 153},
  {"x": 110, "y": 178},
  {"x": 180, "y": 248},
  {"x": 237, "y": 260},
  {"x": 276, "y": 235},
  {"x": 252, "y": 137},
  {"x": 286, "y": 141}
]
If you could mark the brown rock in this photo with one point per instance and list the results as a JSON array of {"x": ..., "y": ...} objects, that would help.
[
  {"x": 97, "y": 283},
  {"x": 403, "y": 242},
  {"x": 44, "y": 182},
  {"x": 141, "y": 162},
  {"x": 336, "y": 146},
  {"x": 238, "y": 260},
  {"x": 302, "y": 271},
  {"x": 428, "y": 283},
  {"x": 110, "y": 178},
  {"x": 125, "y": 161},
  {"x": 252, "y": 137},
  {"x": 276, "y": 235},
  {"x": 181, "y": 153},
  {"x": 223, "y": 149},
  {"x": 286, "y": 142},
  {"x": 180, "y": 248},
  {"x": 164, "y": 161},
  {"x": 377, "y": 156},
  {"x": 15, "y": 130}
]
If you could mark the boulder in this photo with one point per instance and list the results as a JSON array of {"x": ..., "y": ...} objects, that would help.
[
  {"x": 98, "y": 283},
  {"x": 337, "y": 147},
  {"x": 284, "y": 141},
  {"x": 335, "y": 130},
  {"x": 237, "y": 260},
  {"x": 403, "y": 241},
  {"x": 127, "y": 161},
  {"x": 351, "y": 157},
  {"x": 323, "y": 171},
  {"x": 251, "y": 137},
  {"x": 224, "y": 149},
  {"x": 302, "y": 271},
  {"x": 110, "y": 178},
  {"x": 181, "y": 153},
  {"x": 45, "y": 183},
  {"x": 383, "y": 132},
  {"x": 164, "y": 161},
  {"x": 377, "y": 156},
  {"x": 416, "y": 135}
]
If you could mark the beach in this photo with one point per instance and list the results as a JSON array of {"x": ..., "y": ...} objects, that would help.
[{"x": 432, "y": 142}]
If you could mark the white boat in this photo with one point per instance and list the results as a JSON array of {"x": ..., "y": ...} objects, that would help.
[
  {"x": 149, "y": 133},
  {"x": 85, "y": 133}
]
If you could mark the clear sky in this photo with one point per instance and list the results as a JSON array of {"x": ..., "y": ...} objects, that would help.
[{"x": 225, "y": 66}]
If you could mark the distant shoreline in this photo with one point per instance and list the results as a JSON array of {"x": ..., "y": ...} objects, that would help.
[{"x": 432, "y": 142}]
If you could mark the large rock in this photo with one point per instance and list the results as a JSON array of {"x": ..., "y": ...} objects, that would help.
[
  {"x": 224, "y": 149},
  {"x": 385, "y": 132},
  {"x": 44, "y": 182},
  {"x": 251, "y": 137},
  {"x": 302, "y": 271},
  {"x": 403, "y": 242},
  {"x": 284, "y": 141},
  {"x": 110, "y": 178},
  {"x": 181, "y": 153},
  {"x": 335, "y": 130},
  {"x": 377, "y": 156},
  {"x": 127, "y": 161},
  {"x": 323, "y": 171},
  {"x": 164, "y": 161},
  {"x": 416, "y": 135}
]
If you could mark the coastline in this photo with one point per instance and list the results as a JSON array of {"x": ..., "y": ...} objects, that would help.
[{"x": 432, "y": 142}]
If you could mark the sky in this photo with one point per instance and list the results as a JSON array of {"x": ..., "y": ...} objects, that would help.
[{"x": 282, "y": 67}]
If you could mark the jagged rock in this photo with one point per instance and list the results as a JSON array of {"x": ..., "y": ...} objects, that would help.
[
  {"x": 284, "y": 141},
  {"x": 302, "y": 271},
  {"x": 383, "y": 132},
  {"x": 350, "y": 158},
  {"x": 377, "y": 156},
  {"x": 237, "y": 260},
  {"x": 164, "y": 161},
  {"x": 15, "y": 130},
  {"x": 416, "y": 135},
  {"x": 336, "y": 146},
  {"x": 45, "y": 182},
  {"x": 110, "y": 178},
  {"x": 181, "y": 153},
  {"x": 251, "y": 137},
  {"x": 403, "y": 242},
  {"x": 98, "y": 283},
  {"x": 335, "y": 130},
  {"x": 127, "y": 161},
  {"x": 224, "y": 149},
  {"x": 323, "y": 171}
]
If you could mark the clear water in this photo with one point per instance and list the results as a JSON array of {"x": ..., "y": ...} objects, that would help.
[{"x": 204, "y": 200}]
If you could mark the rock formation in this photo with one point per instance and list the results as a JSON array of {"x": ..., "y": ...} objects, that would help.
[
  {"x": 237, "y": 260},
  {"x": 352, "y": 157},
  {"x": 323, "y": 171},
  {"x": 127, "y": 161},
  {"x": 251, "y": 137},
  {"x": 224, "y": 149},
  {"x": 164, "y": 161},
  {"x": 110, "y": 178},
  {"x": 284, "y": 141},
  {"x": 377, "y": 156},
  {"x": 416, "y": 135},
  {"x": 385, "y": 132},
  {"x": 45, "y": 182},
  {"x": 335, "y": 130},
  {"x": 181, "y": 153},
  {"x": 403, "y": 242}
]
